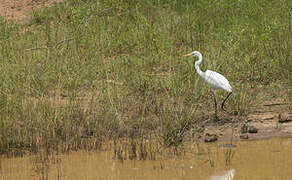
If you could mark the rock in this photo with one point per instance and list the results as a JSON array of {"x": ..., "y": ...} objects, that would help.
[
  {"x": 252, "y": 129},
  {"x": 210, "y": 137},
  {"x": 248, "y": 129},
  {"x": 243, "y": 136},
  {"x": 244, "y": 128},
  {"x": 285, "y": 117}
]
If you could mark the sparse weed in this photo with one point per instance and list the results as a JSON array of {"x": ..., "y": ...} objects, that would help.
[{"x": 242, "y": 100}]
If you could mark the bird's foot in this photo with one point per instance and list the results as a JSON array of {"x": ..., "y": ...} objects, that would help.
[{"x": 216, "y": 118}]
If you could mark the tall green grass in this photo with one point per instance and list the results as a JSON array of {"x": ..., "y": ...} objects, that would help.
[{"x": 110, "y": 69}]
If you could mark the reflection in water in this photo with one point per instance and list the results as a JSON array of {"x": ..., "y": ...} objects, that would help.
[
  {"x": 256, "y": 160},
  {"x": 228, "y": 175}
]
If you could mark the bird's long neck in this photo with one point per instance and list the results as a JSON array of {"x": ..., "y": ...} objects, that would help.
[{"x": 197, "y": 63}]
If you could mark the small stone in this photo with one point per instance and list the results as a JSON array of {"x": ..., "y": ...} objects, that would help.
[
  {"x": 243, "y": 136},
  {"x": 285, "y": 117},
  {"x": 211, "y": 137},
  {"x": 252, "y": 129}
]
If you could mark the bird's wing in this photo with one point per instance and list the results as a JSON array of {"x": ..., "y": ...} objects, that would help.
[{"x": 216, "y": 80}]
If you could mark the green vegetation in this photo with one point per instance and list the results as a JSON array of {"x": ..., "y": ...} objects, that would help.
[{"x": 84, "y": 71}]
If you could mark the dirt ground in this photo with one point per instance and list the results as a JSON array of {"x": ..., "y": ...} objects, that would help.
[
  {"x": 20, "y": 10},
  {"x": 272, "y": 119}
]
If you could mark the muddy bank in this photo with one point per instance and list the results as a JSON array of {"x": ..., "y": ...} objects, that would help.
[{"x": 271, "y": 119}]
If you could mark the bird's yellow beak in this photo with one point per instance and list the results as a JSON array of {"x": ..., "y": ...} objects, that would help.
[{"x": 186, "y": 55}]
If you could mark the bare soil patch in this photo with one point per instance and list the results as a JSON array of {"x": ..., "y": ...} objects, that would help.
[
  {"x": 272, "y": 119},
  {"x": 20, "y": 10}
]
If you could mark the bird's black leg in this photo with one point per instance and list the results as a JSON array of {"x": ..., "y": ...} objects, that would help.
[
  {"x": 215, "y": 105},
  {"x": 222, "y": 105}
]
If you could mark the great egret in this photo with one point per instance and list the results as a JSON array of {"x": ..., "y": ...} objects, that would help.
[{"x": 214, "y": 79}]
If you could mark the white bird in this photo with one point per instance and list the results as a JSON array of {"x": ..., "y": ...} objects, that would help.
[{"x": 214, "y": 79}]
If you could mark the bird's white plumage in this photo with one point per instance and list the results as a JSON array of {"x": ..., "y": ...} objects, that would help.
[
  {"x": 214, "y": 79},
  {"x": 217, "y": 81}
]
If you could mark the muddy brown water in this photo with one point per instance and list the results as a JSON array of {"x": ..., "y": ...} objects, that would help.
[{"x": 260, "y": 159}]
